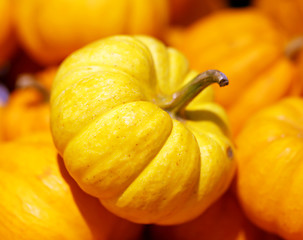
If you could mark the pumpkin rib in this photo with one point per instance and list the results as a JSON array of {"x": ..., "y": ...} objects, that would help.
[
  {"x": 90, "y": 168},
  {"x": 281, "y": 71},
  {"x": 131, "y": 95},
  {"x": 97, "y": 163},
  {"x": 164, "y": 194},
  {"x": 141, "y": 171}
]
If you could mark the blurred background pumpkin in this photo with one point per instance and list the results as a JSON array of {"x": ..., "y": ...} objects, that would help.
[
  {"x": 288, "y": 15},
  {"x": 223, "y": 220},
  {"x": 27, "y": 109},
  {"x": 244, "y": 44},
  {"x": 39, "y": 200},
  {"x": 270, "y": 169},
  {"x": 51, "y": 30}
]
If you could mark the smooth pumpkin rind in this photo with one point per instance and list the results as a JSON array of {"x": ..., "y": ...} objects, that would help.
[{"x": 130, "y": 133}]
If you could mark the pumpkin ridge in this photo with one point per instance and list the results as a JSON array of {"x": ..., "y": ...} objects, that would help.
[
  {"x": 140, "y": 172},
  {"x": 102, "y": 68},
  {"x": 94, "y": 120},
  {"x": 91, "y": 169},
  {"x": 131, "y": 92},
  {"x": 181, "y": 196}
]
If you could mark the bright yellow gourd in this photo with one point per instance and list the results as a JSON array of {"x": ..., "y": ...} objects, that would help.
[{"x": 121, "y": 119}]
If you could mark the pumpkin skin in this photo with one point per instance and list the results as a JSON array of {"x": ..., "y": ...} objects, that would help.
[
  {"x": 49, "y": 33},
  {"x": 121, "y": 147},
  {"x": 249, "y": 50},
  {"x": 270, "y": 150},
  {"x": 7, "y": 38},
  {"x": 39, "y": 200},
  {"x": 223, "y": 220},
  {"x": 287, "y": 14}
]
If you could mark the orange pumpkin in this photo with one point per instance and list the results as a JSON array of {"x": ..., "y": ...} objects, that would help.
[
  {"x": 223, "y": 220},
  {"x": 46, "y": 77},
  {"x": 25, "y": 112},
  {"x": 287, "y": 14},
  {"x": 270, "y": 169},
  {"x": 39, "y": 200},
  {"x": 7, "y": 39},
  {"x": 184, "y": 12},
  {"x": 51, "y": 30},
  {"x": 28, "y": 107},
  {"x": 246, "y": 46},
  {"x": 42, "y": 80}
]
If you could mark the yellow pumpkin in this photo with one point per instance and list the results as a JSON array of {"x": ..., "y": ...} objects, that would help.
[
  {"x": 223, "y": 220},
  {"x": 270, "y": 173},
  {"x": 39, "y": 200},
  {"x": 50, "y": 30},
  {"x": 249, "y": 49},
  {"x": 121, "y": 119}
]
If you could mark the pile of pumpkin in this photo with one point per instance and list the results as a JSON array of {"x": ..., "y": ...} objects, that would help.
[{"x": 111, "y": 126}]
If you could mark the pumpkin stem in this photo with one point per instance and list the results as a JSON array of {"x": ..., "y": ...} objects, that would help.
[
  {"x": 29, "y": 81},
  {"x": 177, "y": 102}
]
